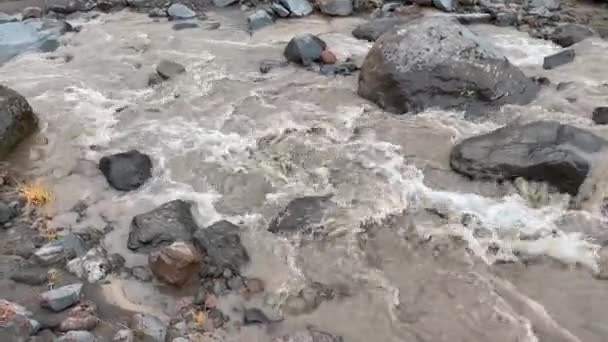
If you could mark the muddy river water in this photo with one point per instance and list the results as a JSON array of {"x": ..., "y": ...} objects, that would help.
[{"x": 242, "y": 144}]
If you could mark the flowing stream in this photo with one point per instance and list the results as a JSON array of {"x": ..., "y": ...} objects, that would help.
[{"x": 242, "y": 144}]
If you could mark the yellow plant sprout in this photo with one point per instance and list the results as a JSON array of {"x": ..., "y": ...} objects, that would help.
[
  {"x": 199, "y": 319},
  {"x": 35, "y": 193}
]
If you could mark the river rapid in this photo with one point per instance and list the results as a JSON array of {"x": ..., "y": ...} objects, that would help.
[{"x": 242, "y": 144}]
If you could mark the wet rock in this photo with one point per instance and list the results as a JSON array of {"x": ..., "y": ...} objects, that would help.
[
  {"x": 67, "y": 7},
  {"x": 61, "y": 298},
  {"x": 563, "y": 85},
  {"x": 34, "y": 277},
  {"x": 150, "y": 326},
  {"x": 45, "y": 335},
  {"x": 543, "y": 7},
  {"x": 570, "y": 34},
  {"x": 78, "y": 336},
  {"x": 66, "y": 248},
  {"x": 304, "y": 49},
  {"x": 6, "y": 213},
  {"x": 5, "y": 18},
  {"x": 445, "y": 5},
  {"x": 280, "y": 10},
  {"x": 126, "y": 171},
  {"x": 600, "y": 115},
  {"x": 17, "y": 119},
  {"x": 255, "y": 316},
  {"x": 560, "y": 58},
  {"x": 259, "y": 19},
  {"x": 473, "y": 18},
  {"x": 16, "y": 324},
  {"x": 336, "y": 7},
  {"x": 92, "y": 267},
  {"x": 169, "y": 69},
  {"x": 298, "y": 8},
  {"x": 124, "y": 335},
  {"x": 328, "y": 57},
  {"x": 175, "y": 264},
  {"x": 141, "y": 273},
  {"x": 309, "y": 335},
  {"x": 31, "y": 12},
  {"x": 154, "y": 79},
  {"x": 184, "y": 26},
  {"x": 406, "y": 70},
  {"x": 267, "y": 65},
  {"x": 545, "y": 151},
  {"x": 162, "y": 226},
  {"x": 224, "y": 3},
  {"x": 302, "y": 215},
  {"x": 157, "y": 13},
  {"x": 374, "y": 28},
  {"x": 179, "y": 11},
  {"x": 235, "y": 283},
  {"x": 222, "y": 244},
  {"x": 81, "y": 317}
]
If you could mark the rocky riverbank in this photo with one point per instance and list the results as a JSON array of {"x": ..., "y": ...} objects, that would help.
[{"x": 296, "y": 171}]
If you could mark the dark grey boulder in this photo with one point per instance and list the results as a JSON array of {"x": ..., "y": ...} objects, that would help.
[
  {"x": 259, "y": 19},
  {"x": 600, "y": 115},
  {"x": 558, "y": 59},
  {"x": 172, "y": 221},
  {"x": 437, "y": 62},
  {"x": 570, "y": 34},
  {"x": 255, "y": 316},
  {"x": 184, "y": 26},
  {"x": 336, "y": 7},
  {"x": 373, "y": 29},
  {"x": 309, "y": 335},
  {"x": 445, "y": 5},
  {"x": 304, "y": 49},
  {"x": 280, "y": 10},
  {"x": 224, "y": 3},
  {"x": 540, "y": 151},
  {"x": 304, "y": 214},
  {"x": 32, "y": 277},
  {"x": 267, "y": 65},
  {"x": 168, "y": 69},
  {"x": 6, "y": 213},
  {"x": 221, "y": 242},
  {"x": 126, "y": 171},
  {"x": 17, "y": 119},
  {"x": 298, "y": 8},
  {"x": 179, "y": 11}
]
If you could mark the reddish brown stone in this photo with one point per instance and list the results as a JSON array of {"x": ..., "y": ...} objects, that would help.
[
  {"x": 81, "y": 317},
  {"x": 175, "y": 264},
  {"x": 328, "y": 57}
]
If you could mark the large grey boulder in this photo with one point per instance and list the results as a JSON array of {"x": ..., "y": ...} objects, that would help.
[
  {"x": 61, "y": 298},
  {"x": 304, "y": 49},
  {"x": 222, "y": 245},
  {"x": 570, "y": 34},
  {"x": 17, "y": 119},
  {"x": 304, "y": 214},
  {"x": 259, "y": 19},
  {"x": 179, "y": 11},
  {"x": 31, "y": 34},
  {"x": 336, "y": 7},
  {"x": 162, "y": 226},
  {"x": 540, "y": 151},
  {"x": 437, "y": 62}
]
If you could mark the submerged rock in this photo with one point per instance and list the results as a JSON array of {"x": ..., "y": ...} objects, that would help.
[
  {"x": 305, "y": 214},
  {"x": 150, "y": 326},
  {"x": 175, "y": 264},
  {"x": 570, "y": 34},
  {"x": 180, "y": 11},
  {"x": 374, "y": 28},
  {"x": 558, "y": 59},
  {"x": 336, "y": 7},
  {"x": 78, "y": 336},
  {"x": 309, "y": 335},
  {"x": 255, "y": 316},
  {"x": 544, "y": 151},
  {"x": 184, "y": 26},
  {"x": 17, "y": 118},
  {"x": 600, "y": 115},
  {"x": 304, "y": 49},
  {"x": 172, "y": 221},
  {"x": 168, "y": 69},
  {"x": 267, "y": 65},
  {"x": 298, "y": 8},
  {"x": 222, "y": 244},
  {"x": 61, "y": 298},
  {"x": 126, "y": 171},
  {"x": 437, "y": 62},
  {"x": 259, "y": 19}
]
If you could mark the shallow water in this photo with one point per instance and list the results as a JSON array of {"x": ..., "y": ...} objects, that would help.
[{"x": 242, "y": 144}]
